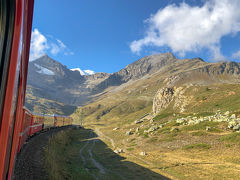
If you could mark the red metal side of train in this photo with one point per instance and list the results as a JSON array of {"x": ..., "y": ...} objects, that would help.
[
  {"x": 34, "y": 123},
  {"x": 17, "y": 124}
]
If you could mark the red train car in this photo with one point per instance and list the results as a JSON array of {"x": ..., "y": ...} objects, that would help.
[
  {"x": 36, "y": 124},
  {"x": 25, "y": 128},
  {"x": 17, "y": 123},
  {"x": 15, "y": 34}
]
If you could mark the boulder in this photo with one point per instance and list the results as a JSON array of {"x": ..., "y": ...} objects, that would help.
[
  {"x": 226, "y": 113},
  {"x": 143, "y": 153},
  {"x": 151, "y": 129},
  {"x": 137, "y": 129},
  {"x": 233, "y": 116},
  {"x": 118, "y": 150},
  {"x": 129, "y": 133},
  {"x": 208, "y": 128},
  {"x": 236, "y": 128},
  {"x": 180, "y": 121},
  {"x": 232, "y": 123},
  {"x": 151, "y": 121},
  {"x": 161, "y": 126},
  {"x": 191, "y": 122},
  {"x": 174, "y": 129},
  {"x": 138, "y": 121},
  {"x": 230, "y": 126}
]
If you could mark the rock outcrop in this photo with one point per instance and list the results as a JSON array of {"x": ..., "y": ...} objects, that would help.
[
  {"x": 168, "y": 95},
  {"x": 162, "y": 99}
]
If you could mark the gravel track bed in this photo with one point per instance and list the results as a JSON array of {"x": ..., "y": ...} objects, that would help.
[{"x": 30, "y": 161}]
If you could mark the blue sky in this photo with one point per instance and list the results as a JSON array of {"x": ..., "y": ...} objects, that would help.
[{"x": 107, "y": 35}]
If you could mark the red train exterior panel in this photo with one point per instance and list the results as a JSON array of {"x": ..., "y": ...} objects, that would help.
[
  {"x": 9, "y": 108},
  {"x": 25, "y": 129},
  {"x": 17, "y": 123}
]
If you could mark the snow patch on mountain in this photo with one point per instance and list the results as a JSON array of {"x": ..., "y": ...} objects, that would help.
[
  {"x": 43, "y": 70},
  {"x": 89, "y": 72},
  {"x": 79, "y": 70},
  {"x": 83, "y": 72}
]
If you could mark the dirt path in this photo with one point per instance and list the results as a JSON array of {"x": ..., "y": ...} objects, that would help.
[
  {"x": 101, "y": 134},
  {"x": 81, "y": 154},
  {"x": 30, "y": 161},
  {"x": 96, "y": 164},
  {"x": 99, "y": 166}
]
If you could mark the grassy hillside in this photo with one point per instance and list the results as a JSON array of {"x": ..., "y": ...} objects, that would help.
[
  {"x": 47, "y": 106},
  {"x": 180, "y": 151}
]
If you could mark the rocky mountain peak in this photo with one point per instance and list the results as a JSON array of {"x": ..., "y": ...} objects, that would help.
[{"x": 136, "y": 70}]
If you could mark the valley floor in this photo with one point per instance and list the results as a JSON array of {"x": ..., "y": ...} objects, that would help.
[
  {"x": 94, "y": 152},
  {"x": 88, "y": 157},
  {"x": 196, "y": 156}
]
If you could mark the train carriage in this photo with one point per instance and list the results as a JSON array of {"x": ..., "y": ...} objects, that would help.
[
  {"x": 25, "y": 129},
  {"x": 48, "y": 121},
  {"x": 36, "y": 124},
  {"x": 63, "y": 120}
]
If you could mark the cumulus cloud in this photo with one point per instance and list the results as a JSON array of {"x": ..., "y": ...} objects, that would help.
[
  {"x": 186, "y": 28},
  {"x": 41, "y": 45},
  {"x": 236, "y": 55}
]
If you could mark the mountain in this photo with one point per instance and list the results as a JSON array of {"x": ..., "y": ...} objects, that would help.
[
  {"x": 51, "y": 80},
  {"x": 174, "y": 116},
  {"x": 166, "y": 64}
]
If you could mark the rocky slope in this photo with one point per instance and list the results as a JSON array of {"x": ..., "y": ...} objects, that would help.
[{"x": 49, "y": 79}]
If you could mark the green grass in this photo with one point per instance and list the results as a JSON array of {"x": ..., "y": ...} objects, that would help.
[
  {"x": 164, "y": 130},
  {"x": 203, "y": 114},
  {"x": 201, "y": 126},
  {"x": 62, "y": 157},
  {"x": 215, "y": 130},
  {"x": 228, "y": 145},
  {"x": 232, "y": 138},
  {"x": 152, "y": 140},
  {"x": 130, "y": 149},
  {"x": 199, "y": 133},
  {"x": 199, "y": 146},
  {"x": 162, "y": 116}
]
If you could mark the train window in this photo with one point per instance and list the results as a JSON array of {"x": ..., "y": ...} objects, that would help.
[{"x": 7, "y": 13}]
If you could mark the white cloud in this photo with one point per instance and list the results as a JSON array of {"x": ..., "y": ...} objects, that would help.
[
  {"x": 236, "y": 55},
  {"x": 41, "y": 45},
  {"x": 55, "y": 49},
  {"x": 189, "y": 29}
]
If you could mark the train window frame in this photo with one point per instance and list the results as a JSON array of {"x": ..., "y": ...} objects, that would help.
[{"x": 7, "y": 19}]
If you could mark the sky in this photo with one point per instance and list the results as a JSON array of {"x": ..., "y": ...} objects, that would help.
[{"x": 107, "y": 35}]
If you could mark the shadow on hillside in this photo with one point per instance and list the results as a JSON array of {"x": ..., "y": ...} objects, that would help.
[{"x": 116, "y": 166}]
